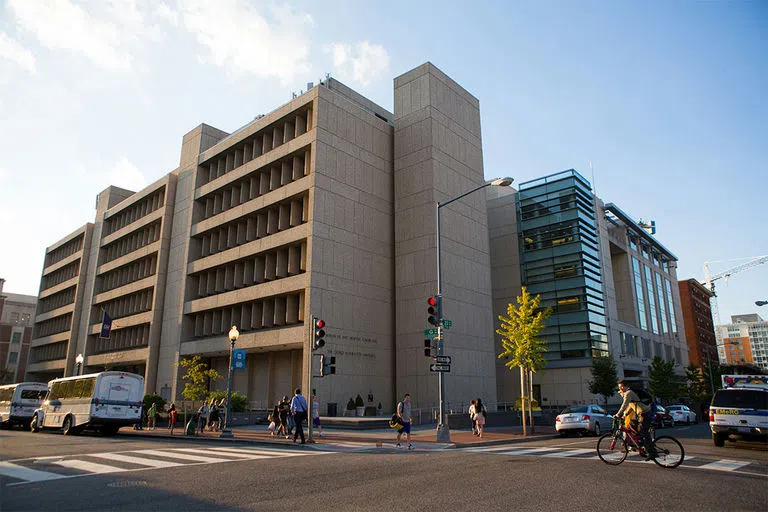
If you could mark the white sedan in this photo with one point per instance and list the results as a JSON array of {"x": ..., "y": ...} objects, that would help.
[
  {"x": 583, "y": 418},
  {"x": 681, "y": 414}
]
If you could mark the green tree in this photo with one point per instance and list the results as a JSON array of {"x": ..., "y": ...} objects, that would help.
[
  {"x": 196, "y": 378},
  {"x": 698, "y": 387},
  {"x": 663, "y": 383},
  {"x": 604, "y": 377},
  {"x": 520, "y": 342}
]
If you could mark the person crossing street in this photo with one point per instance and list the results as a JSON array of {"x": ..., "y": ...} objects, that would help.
[{"x": 299, "y": 413}]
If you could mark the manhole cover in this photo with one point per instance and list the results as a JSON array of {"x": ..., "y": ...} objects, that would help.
[{"x": 128, "y": 483}]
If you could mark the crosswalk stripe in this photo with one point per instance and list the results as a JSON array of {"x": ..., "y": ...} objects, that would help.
[
  {"x": 136, "y": 460},
  {"x": 22, "y": 473},
  {"x": 724, "y": 465},
  {"x": 210, "y": 451},
  {"x": 183, "y": 456},
  {"x": 248, "y": 451},
  {"x": 528, "y": 451},
  {"x": 90, "y": 467},
  {"x": 568, "y": 453}
]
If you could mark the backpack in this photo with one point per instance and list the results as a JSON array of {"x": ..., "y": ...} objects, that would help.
[
  {"x": 644, "y": 396},
  {"x": 394, "y": 422}
]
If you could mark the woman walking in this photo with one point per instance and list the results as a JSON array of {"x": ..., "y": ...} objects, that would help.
[
  {"x": 173, "y": 416},
  {"x": 213, "y": 422},
  {"x": 316, "y": 415},
  {"x": 480, "y": 413},
  {"x": 472, "y": 416}
]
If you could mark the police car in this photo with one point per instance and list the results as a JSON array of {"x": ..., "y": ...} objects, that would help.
[{"x": 740, "y": 409}]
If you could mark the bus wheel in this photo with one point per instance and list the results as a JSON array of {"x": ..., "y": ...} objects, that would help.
[
  {"x": 33, "y": 426},
  {"x": 67, "y": 429}
]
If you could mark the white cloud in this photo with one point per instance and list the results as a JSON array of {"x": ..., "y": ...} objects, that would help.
[
  {"x": 363, "y": 62},
  {"x": 242, "y": 40},
  {"x": 101, "y": 31},
  {"x": 126, "y": 175},
  {"x": 10, "y": 49}
]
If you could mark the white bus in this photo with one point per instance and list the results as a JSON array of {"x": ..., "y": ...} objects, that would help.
[
  {"x": 102, "y": 401},
  {"x": 19, "y": 401}
]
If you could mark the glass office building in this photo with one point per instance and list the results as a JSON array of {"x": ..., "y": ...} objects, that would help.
[{"x": 559, "y": 260}]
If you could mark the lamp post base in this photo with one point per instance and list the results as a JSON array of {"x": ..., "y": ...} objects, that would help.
[
  {"x": 226, "y": 433},
  {"x": 443, "y": 433}
]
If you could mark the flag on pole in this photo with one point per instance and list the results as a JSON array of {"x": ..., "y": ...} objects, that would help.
[{"x": 106, "y": 326}]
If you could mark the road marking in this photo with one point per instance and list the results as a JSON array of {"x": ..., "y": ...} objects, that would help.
[
  {"x": 569, "y": 453},
  {"x": 136, "y": 460},
  {"x": 212, "y": 451},
  {"x": 724, "y": 465},
  {"x": 183, "y": 456},
  {"x": 528, "y": 451},
  {"x": 268, "y": 453},
  {"x": 30, "y": 475},
  {"x": 90, "y": 467}
]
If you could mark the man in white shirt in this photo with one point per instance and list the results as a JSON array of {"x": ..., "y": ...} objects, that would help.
[{"x": 299, "y": 413}]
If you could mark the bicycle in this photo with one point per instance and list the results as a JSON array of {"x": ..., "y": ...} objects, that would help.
[{"x": 613, "y": 447}]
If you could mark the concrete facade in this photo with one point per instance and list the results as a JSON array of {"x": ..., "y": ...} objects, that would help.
[{"x": 17, "y": 314}]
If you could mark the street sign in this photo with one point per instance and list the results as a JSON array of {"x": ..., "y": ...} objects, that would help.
[
  {"x": 443, "y": 359},
  {"x": 440, "y": 368},
  {"x": 430, "y": 333},
  {"x": 238, "y": 359},
  {"x": 447, "y": 324}
]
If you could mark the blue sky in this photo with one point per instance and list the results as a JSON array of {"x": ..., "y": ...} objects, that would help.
[{"x": 667, "y": 99}]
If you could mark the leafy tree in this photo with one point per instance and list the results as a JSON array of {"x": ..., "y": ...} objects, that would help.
[
  {"x": 239, "y": 401},
  {"x": 521, "y": 345},
  {"x": 698, "y": 387},
  {"x": 153, "y": 399},
  {"x": 604, "y": 377},
  {"x": 197, "y": 377},
  {"x": 663, "y": 383}
]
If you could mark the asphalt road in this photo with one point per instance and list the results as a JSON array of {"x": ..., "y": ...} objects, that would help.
[{"x": 382, "y": 479}]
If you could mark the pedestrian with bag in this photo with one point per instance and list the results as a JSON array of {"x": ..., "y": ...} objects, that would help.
[
  {"x": 480, "y": 414},
  {"x": 299, "y": 413},
  {"x": 151, "y": 415},
  {"x": 472, "y": 416},
  {"x": 173, "y": 416},
  {"x": 213, "y": 421},
  {"x": 203, "y": 412},
  {"x": 285, "y": 411},
  {"x": 404, "y": 415}
]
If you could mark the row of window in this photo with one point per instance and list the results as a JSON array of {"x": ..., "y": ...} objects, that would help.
[
  {"x": 135, "y": 211},
  {"x": 55, "y": 325},
  {"x": 265, "y": 140},
  {"x": 49, "y": 352},
  {"x": 258, "y": 314},
  {"x": 57, "y": 300},
  {"x": 148, "y": 234},
  {"x": 68, "y": 249},
  {"x": 257, "y": 183},
  {"x": 257, "y": 269},
  {"x": 72, "y": 389},
  {"x": 17, "y": 318},
  {"x": 128, "y": 273},
  {"x": 267, "y": 221},
  {"x": 135, "y": 336},
  {"x": 127, "y": 305},
  {"x": 61, "y": 275}
]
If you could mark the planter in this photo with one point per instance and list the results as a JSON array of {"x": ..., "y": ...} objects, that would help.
[
  {"x": 349, "y": 413},
  {"x": 360, "y": 411}
]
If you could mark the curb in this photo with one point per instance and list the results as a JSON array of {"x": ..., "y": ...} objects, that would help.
[{"x": 513, "y": 440}]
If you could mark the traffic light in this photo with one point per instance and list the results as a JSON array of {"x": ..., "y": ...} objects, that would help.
[
  {"x": 327, "y": 365},
  {"x": 435, "y": 310},
  {"x": 430, "y": 347},
  {"x": 318, "y": 333}
]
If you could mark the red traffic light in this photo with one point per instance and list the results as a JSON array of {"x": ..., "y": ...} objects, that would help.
[
  {"x": 432, "y": 301},
  {"x": 320, "y": 324}
]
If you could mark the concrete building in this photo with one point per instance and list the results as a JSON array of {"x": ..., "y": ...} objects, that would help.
[
  {"x": 744, "y": 341},
  {"x": 324, "y": 207},
  {"x": 697, "y": 318},
  {"x": 16, "y": 316},
  {"x": 609, "y": 284}
]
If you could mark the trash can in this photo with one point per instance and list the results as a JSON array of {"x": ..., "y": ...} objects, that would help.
[{"x": 332, "y": 409}]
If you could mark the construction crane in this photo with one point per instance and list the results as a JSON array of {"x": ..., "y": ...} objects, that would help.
[{"x": 709, "y": 280}]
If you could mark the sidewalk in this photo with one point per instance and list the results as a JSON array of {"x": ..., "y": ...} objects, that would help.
[{"x": 419, "y": 436}]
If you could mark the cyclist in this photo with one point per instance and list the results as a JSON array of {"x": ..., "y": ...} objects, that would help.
[{"x": 632, "y": 406}]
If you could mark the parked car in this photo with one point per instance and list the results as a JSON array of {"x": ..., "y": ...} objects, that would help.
[
  {"x": 662, "y": 418},
  {"x": 583, "y": 419},
  {"x": 681, "y": 414}
]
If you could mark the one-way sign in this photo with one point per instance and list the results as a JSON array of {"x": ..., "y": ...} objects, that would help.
[
  {"x": 440, "y": 368},
  {"x": 443, "y": 359}
]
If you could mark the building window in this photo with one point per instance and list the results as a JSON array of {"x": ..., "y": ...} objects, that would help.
[
  {"x": 25, "y": 318},
  {"x": 568, "y": 305},
  {"x": 671, "y": 306},
  {"x": 639, "y": 297},
  {"x": 16, "y": 337},
  {"x": 651, "y": 300},
  {"x": 12, "y": 357},
  {"x": 662, "y": 307},
  {"x": 14, "y": 317}
]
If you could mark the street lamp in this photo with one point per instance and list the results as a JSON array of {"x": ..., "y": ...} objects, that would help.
[
  {"x": 79, "y": 361},
  {"x": 233, "y": 335},
  {"x": 761, "y": 302},
  {"x": 443, "y": 433}
]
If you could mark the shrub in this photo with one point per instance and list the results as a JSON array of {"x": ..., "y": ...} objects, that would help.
[
  {"x": 239, "y": 402},
  {"x": 154, "y": 399},
  {"x": 359, "y": 401},
  {"x": 351, "y": 404}
]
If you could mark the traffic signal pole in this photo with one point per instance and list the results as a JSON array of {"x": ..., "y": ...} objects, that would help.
[
  {"x": 443, "y": 432},
  {"x": 311, "y": 350}
]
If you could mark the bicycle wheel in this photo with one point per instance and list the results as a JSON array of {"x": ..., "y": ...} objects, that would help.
[
  {"x": 612, "y": 449},
  {"x": 669, "y": 452}
]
